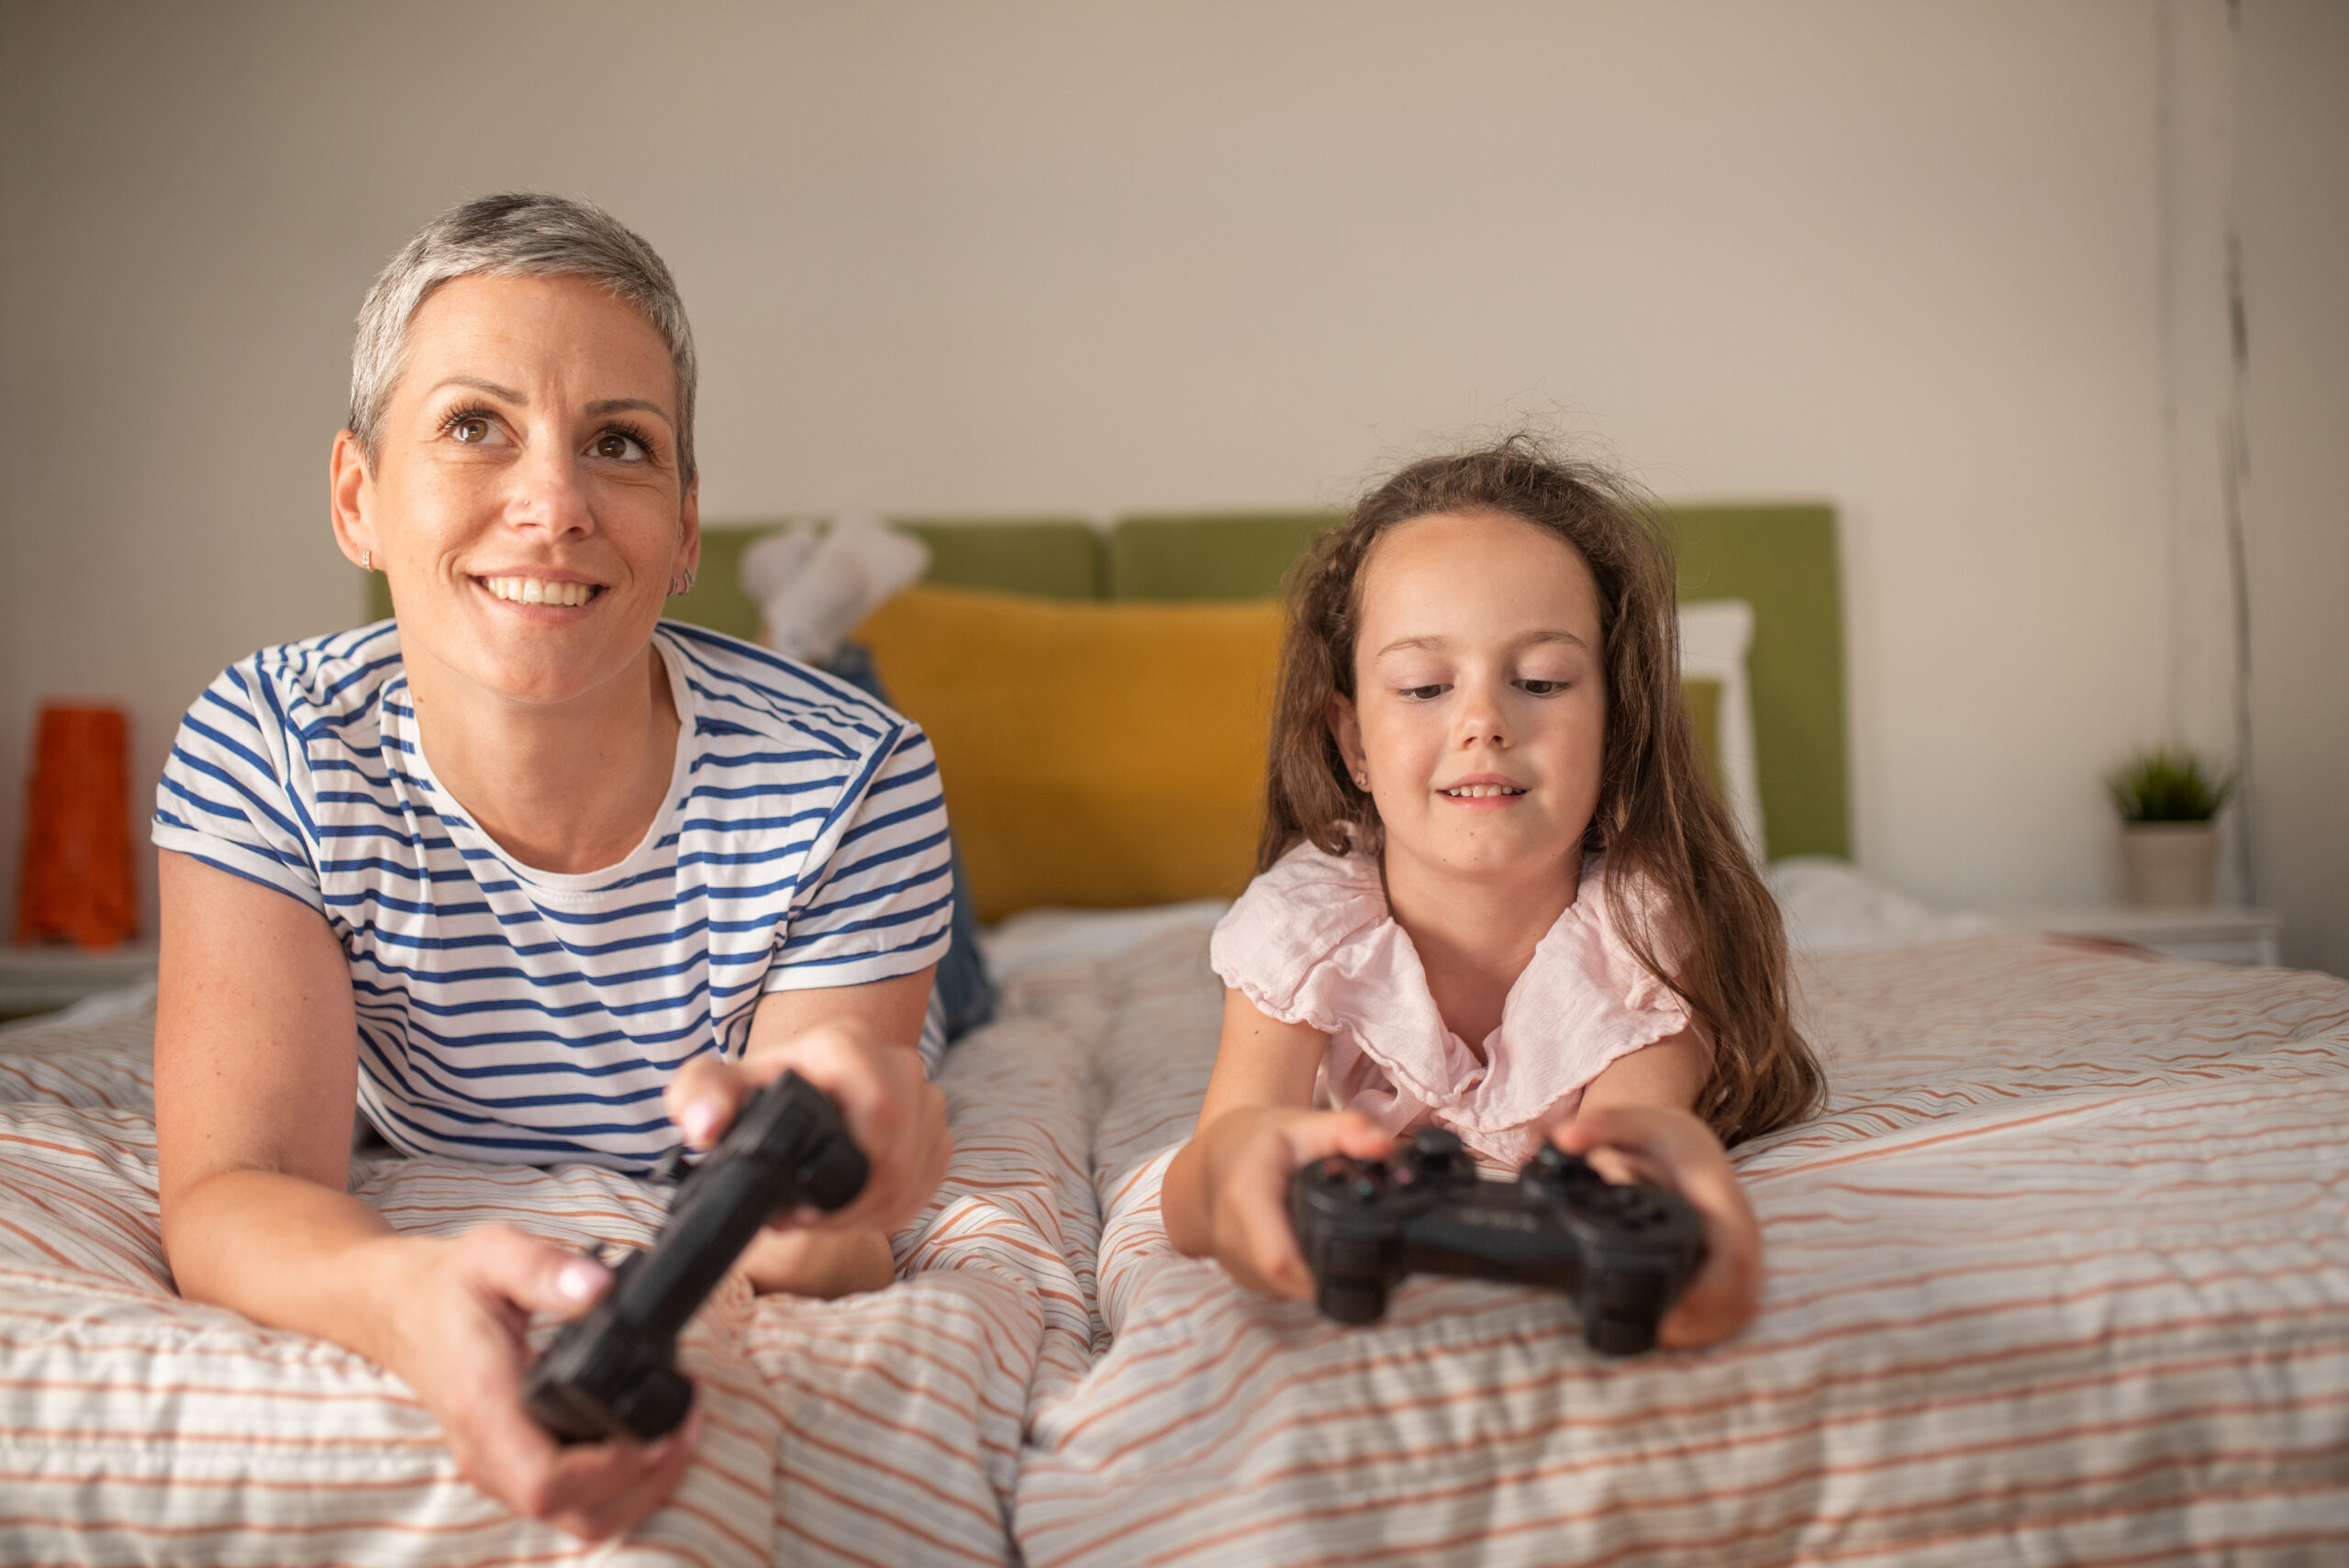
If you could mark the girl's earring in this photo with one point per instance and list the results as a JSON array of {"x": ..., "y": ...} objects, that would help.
[{"x": 1361, "y": 782}]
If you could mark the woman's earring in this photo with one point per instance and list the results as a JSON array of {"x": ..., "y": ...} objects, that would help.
[
  {"x": 366, "y": 560},
  {"x": 675, "y": 592},
  {"x": 1361, "y": 782}
]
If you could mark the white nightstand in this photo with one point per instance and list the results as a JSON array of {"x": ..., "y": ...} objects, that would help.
[
  {"x": 43, "y": 979},
  {"x": 2215, "y": 934}
]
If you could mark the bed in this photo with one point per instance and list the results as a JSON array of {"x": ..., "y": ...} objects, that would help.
[{"x": 2060, "y": 1275}]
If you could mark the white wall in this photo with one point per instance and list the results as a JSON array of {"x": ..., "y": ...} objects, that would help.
[
  {"x": 1028, "y": 256},
  {"x": 2294, "y": 205}
]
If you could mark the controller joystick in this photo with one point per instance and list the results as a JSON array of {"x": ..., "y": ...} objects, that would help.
[
  {"x": 1623, "y": 1254},
  {"x": 614, "y": 1370}
]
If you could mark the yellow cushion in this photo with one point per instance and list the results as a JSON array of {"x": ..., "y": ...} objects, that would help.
[
  {"x": 1099, "y": 754},
  {"x": 1093, "y": 754}
]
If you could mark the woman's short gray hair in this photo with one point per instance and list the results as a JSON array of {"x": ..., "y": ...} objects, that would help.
[{"x": 515, "y": 236}]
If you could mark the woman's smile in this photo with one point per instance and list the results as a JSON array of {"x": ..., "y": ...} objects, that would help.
[{"x": 529, "y": 591}]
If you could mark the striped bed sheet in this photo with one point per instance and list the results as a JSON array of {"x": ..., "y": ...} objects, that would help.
[
  {"x": 880, "y": 1429},
  {"x": 2061, "y": 1276}
]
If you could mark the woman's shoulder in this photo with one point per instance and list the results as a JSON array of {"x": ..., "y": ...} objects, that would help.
[
  {"x": 741, "y": 684},
  {"x": 307, "y": 688}
]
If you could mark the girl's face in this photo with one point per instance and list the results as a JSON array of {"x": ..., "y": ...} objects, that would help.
[
  {"x": 1480, "y": 707},
  {"x": 525, "y": 501}
]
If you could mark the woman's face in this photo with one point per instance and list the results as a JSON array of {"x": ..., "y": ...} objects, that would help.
[
  {"x": 1480, "y": 696},
  {"x": 525, "y": 502}
]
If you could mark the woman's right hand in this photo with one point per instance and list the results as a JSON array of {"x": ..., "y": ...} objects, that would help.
[
  {"x": 1246, "y": 1157},
  {"x": 456, "y": 1326}
]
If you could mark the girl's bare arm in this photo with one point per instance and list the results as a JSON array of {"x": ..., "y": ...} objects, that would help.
[
  {"x": 1670, "y": 1072},
  {"x": 1636, "y": 1123},
  {"x": 1225, "y": 1193}
]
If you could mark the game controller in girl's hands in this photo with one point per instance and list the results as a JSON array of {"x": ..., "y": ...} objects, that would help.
[
  {"x": 614, "y": 1370},
  {"x": 1623, "y": 1254}
]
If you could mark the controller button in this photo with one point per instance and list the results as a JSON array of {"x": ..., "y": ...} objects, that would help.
[{"x": 1365, "y": 1190}]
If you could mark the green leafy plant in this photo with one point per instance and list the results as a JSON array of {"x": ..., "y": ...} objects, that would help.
[{"x": 2169, "y": 783}]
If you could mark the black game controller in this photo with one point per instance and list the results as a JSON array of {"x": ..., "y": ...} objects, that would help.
[
  {"x": 1623, "y": 1254},
  {"x": 614, "y": 1370}
]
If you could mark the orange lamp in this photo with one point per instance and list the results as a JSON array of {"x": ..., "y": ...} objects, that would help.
[{"x": 76, "y": 884}]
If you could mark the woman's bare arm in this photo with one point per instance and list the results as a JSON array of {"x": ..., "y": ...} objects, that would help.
[{"x": 256, "y": 1077}]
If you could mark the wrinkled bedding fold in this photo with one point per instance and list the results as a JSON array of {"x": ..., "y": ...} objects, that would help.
[{"x": 2062, "y": 1274}]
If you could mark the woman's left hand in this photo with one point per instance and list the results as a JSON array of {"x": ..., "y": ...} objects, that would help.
[
  {"x": 1672, "y": 1149},
  {"x": 894, "y": 1113}
]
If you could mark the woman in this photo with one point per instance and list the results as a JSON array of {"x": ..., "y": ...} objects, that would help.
[{"x": 530, "y": 874}]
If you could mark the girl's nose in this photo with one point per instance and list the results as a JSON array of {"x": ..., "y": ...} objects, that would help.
[{"x": 1483, "y": 720}]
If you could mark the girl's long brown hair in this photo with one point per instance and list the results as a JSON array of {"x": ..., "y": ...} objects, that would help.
[{"x": 1659, "y": 821}]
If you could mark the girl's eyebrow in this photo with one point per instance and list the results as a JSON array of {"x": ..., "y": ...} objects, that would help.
[{"x": 1440, "y": 644}]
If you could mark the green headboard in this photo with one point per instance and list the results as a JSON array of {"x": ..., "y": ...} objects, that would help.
[
  {"x": 1781, "y": 560},
  {"x": 1214, "y": 556}
]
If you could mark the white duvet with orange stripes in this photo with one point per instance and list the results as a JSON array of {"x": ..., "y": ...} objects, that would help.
[
  {"x": 880, "y": 1429},
  {"x": 2064, "y": 1277}
]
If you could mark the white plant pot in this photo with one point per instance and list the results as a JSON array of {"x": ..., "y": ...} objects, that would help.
[{"x": 2170, "y": 865}]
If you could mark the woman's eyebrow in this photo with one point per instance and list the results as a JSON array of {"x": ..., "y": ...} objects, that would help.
[
  {"x": 627, "y": 404},
  {"x": 479, "y": 383},
  {"x": 594, "y": 410}
]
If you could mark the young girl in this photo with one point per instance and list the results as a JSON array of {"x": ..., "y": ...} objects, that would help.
[{"x": 1496, "y": 892}]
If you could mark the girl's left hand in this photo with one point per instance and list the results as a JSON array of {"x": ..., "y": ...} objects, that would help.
[{"x": 1672, "y": 1149}]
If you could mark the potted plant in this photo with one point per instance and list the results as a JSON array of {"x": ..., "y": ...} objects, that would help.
[{"x": 2167, "y": 796}]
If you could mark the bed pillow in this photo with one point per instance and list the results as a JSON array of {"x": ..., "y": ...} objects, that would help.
[
  {"x": 1715, "y": 637},
  {"x": 1109, "y": 754},
  {"x": 1093, "y": 754},
  {"x": 1703, "y": 697}
]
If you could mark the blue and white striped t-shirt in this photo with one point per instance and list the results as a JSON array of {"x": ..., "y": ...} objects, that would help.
[{"x": 524, "y": 1017}]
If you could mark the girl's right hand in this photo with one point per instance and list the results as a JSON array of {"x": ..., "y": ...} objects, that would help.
[
  {"x": 1247, "y": 1157},
  {"x": 457, "y": 1325}
]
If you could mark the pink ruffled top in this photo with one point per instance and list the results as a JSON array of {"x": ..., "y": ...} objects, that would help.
[{"x": 1311, "y": 941}]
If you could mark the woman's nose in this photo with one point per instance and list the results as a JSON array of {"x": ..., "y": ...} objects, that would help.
[{"x": 548, "y": 492}]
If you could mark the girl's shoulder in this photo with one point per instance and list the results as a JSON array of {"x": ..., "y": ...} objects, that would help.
[
  {"x": 1310, "y": 890},
  {"x": 1313, "y": 936},
  {"x": 1293, "y": 917},
  {"x": 1589, "y": 948}
]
